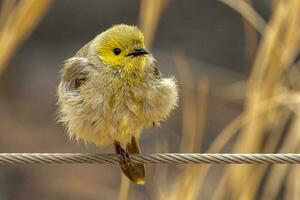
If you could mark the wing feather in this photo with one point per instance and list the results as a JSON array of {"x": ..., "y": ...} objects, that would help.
[{"x": 75, "y": 73}]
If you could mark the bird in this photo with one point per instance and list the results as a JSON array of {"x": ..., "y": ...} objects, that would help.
[{"x": 112, "y": 89}]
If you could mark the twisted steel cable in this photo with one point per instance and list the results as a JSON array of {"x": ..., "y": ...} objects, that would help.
[{"x": 157, "y": 158}]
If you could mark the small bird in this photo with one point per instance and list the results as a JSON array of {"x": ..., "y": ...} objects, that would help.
[{"x": 110, "y": 90}]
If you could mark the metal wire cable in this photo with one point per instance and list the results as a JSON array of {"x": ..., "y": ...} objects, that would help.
[{"x": 157, "y": 158}]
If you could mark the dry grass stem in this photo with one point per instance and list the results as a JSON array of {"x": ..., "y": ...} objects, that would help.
[
  {"x": 277, "y": 51},
  {"x": 248, "y": 13},
  {"x": 150, "y": 13},
  {"x": 188, "y": 102},
  {"x": 124, "y": 188},
  {"x": 17, "y": 21}
]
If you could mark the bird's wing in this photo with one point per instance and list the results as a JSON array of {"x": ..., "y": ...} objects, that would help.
[
  {"x": 154, "y": 68},
  {"x": 74, "y": 73},
  {"x": 157, "y": 73}
]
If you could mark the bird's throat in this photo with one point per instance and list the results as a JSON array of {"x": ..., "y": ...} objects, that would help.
[{"x": 133, "y": 72}]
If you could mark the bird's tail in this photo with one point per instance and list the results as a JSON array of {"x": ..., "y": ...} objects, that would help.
[{"x": 134, "y": 171}]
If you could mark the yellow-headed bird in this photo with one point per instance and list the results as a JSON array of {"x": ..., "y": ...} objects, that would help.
[{"x": 110, "y": 90}]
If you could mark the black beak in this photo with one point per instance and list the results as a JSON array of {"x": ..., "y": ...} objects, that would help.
[{"x": 138, "y": 52}]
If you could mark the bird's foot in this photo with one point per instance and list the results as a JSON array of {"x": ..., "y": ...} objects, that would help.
[{"x": 125, "y": 160}]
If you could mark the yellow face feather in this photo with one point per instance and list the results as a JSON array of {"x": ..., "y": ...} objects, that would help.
[{"x": 115, "y": 45}]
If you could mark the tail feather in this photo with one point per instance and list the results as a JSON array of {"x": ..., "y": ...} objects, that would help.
[{"x": 134, "y": 171}]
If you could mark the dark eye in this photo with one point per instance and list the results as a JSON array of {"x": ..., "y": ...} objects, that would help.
[{"x": 117, "y": 51}]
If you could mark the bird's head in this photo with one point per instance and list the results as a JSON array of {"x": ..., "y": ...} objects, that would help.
[{"x": 122, "y": 46}]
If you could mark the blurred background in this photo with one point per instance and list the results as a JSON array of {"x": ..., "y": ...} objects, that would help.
[{"x": 237, "y": 66}]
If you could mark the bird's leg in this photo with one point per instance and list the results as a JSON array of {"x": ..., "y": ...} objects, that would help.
[
  {"x": 134, "y": 171},
  {"x": 124, "y": 155}
]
